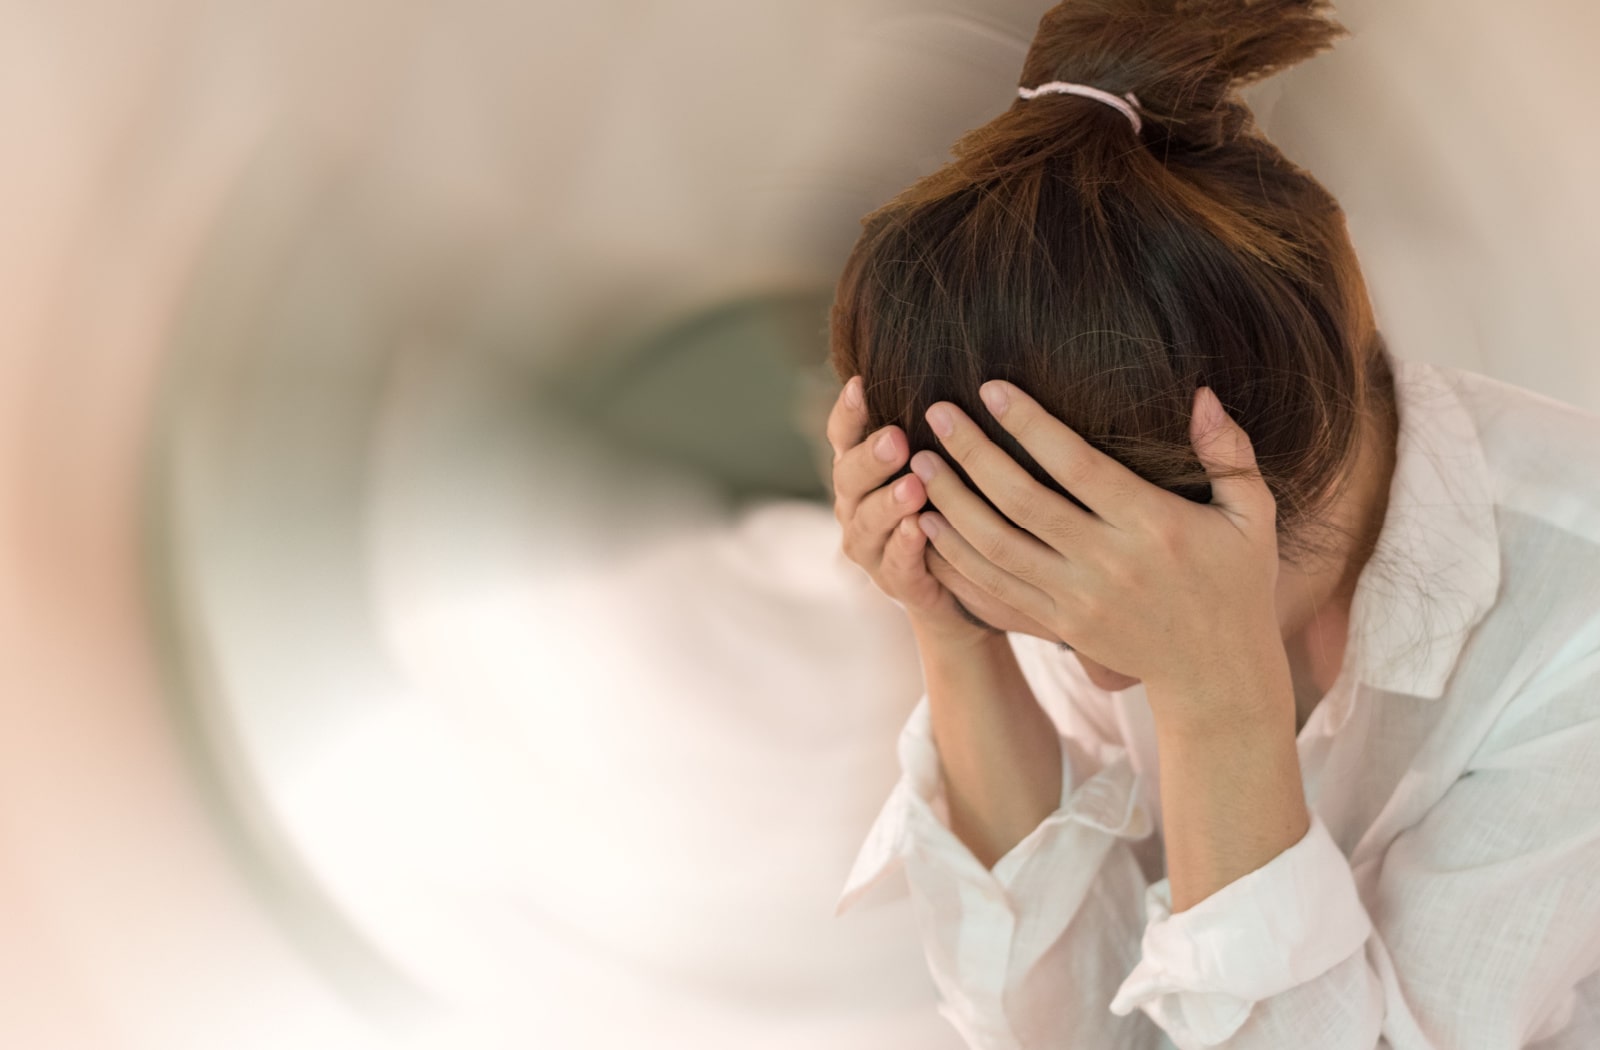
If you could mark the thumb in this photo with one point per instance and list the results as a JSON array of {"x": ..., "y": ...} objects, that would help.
[{"x": 1222, "y": 445}]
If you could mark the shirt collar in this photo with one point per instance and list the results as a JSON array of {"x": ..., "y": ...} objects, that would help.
[{"x": 1436, "y": 567}]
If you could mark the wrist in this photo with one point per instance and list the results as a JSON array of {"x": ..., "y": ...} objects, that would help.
[
  {"x": 1253, "y": 692},
  {"x": 955, "y": 638},
  {"x": 1256, "y": 700}
]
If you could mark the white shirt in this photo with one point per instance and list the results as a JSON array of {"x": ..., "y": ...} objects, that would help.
[{"x": 1447, "y": 895}]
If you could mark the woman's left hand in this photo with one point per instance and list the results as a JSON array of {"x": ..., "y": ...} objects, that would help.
[{"x": 1151, "y": 585}]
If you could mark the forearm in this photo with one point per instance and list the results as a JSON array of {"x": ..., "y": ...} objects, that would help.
[
  {"x": 999, "y": 750},
  {"x": 1232, "y": 798}
]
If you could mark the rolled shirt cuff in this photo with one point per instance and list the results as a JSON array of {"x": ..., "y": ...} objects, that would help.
[
  {"x": 1288, "y": 922},
  {"x": 1108, "y": 800}
]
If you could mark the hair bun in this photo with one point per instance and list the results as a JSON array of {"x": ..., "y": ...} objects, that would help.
[{"x": 1184, "y": 58}]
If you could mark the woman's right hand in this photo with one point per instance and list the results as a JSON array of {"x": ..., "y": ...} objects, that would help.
[{"x": 880, "y": 521}]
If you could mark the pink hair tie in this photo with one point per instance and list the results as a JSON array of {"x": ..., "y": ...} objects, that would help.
[{"x": 1062, "y": 87}]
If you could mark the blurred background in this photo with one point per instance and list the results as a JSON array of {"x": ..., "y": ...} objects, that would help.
[{"x": 422, "y": 623}]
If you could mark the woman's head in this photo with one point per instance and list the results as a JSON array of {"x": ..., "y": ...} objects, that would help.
[{"x": 1110, "y": 273}]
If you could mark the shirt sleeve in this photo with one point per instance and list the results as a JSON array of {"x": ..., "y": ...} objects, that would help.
[
  {"x": 1025, "y": 955},
  {"x": 1471, "y": 931},
  {"x": 1484, "y": 915}
]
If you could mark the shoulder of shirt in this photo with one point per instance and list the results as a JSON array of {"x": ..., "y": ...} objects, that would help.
[
  {"x": 1542, "y": 455},
  {"x": 1542, "y": 458}
]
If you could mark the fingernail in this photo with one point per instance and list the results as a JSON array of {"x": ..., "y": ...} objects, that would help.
[
  {"x": 994, "y": 395},
  {"x": 883, "y": 448},
  {"x": 929, "y": 526},
  {"x": 922, "y": 467},
  {"x": 902, "y": 489},
  {"x": 940, "y": 419},
  {"x": 852, "y": 392}
]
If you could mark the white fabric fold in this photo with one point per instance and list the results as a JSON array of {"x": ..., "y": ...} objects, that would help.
[
  {"x": 1284, "y": 924},
  {"x": 1108, "y": 801},
  {"x": 1444, "y": 896}
]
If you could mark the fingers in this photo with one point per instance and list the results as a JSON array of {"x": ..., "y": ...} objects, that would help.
[
  {"x": 903, "y": 566},
  {"x": 1002, "y": 545},
  {"x": 1051, "y": 517},
  {"x": 866, "y": 467},
  {"x": 1115, "y": 493},
  {"x": 876, "y": 517},
  {"x": 1046, "y": 514},
  {"x": 983, "y": 573},
  {"x": 847, "y": 419},
  {"x": 905, "y": 572},
  {"x": 860, "y": 464},
  {"x": 1229, "y": 457}
]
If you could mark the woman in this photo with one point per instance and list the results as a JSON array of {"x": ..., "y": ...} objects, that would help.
[{"x": 1262, "y": 668}]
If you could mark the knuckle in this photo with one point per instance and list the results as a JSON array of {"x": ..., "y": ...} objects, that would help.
[
  {"x": 1029, "y": 425},
  {"x": 878, "y": 512},
  {"x": 1076, "y": 474},
  {"x": 981, "y": 455},
  {"x": 1171, "y": 535},
  {"x": 846, "y": 489},
  {"x": 842, "y": 432},
  {"x": 875, "y": 518},
  {"x": 835, "y": 434},
  {"x": 852, "y": 548},
  {"x": 1057, "y": 530},
  {"x": 1132, "y": 494},
  {"x": 890, "y": 538},
  {"x": 862, "y": 463},
  {"x": 994, "y": 546},
  {"x": 1027, "y": 506},
  {"x": 1114, "y": 575},
  {"x": 1122, "y": 576},
  {"x": 860, "y": 533},
  {"x": 1021, "y": 423},
  {"x": 897, "y": 555},
  {"x": 989, "y": 579},
  {"x": 1030, "y": 574}
]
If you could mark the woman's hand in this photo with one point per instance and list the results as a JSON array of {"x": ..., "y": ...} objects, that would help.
[
  {"x": 879, "y": 521},
  {"x": 1150, "y": 584}
]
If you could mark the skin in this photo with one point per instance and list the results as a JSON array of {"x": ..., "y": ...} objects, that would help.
[
  {"x": 1142, "y": 577},
  {"x": 1312, "y": 601},
  {"x": 881, "y": 535}
]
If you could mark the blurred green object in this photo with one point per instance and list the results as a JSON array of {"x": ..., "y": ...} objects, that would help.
[{"x": 724, "y": 394}]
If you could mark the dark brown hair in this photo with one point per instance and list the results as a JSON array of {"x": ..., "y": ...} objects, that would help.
[{"x": 1109, "y": 274}]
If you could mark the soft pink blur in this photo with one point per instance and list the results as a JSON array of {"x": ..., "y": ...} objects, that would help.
[{"x": 495, "y": 183}]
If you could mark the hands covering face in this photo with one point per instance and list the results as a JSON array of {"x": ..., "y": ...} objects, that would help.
[{"x": 1159, "y": 587}]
